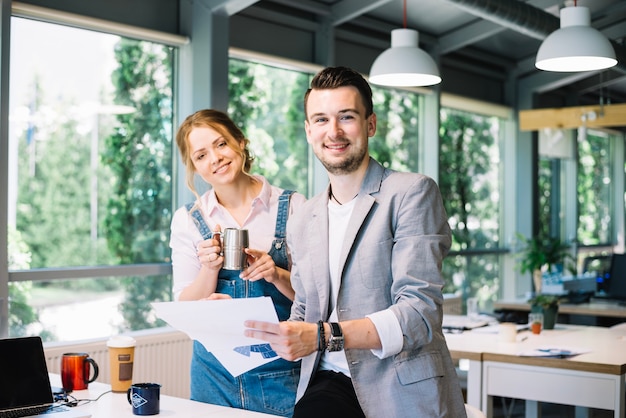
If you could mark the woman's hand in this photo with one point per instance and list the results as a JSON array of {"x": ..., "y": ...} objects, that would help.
[
  {"x": 260, "y": 266},
  {"x": 209, "y": 251},
  {"x": 217, "y": 296}
]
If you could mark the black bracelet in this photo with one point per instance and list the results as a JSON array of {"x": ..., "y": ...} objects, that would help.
[{"x": 321, "y": 337}]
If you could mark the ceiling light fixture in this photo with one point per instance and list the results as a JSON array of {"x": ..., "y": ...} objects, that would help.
[
  {"x": 576, "y": 46},
  {"x": 404, "y": 64}
]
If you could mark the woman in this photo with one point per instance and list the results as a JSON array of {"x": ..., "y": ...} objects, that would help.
[{"x": 212, "y": 146}]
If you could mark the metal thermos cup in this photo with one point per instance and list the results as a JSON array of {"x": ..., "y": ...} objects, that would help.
[{"x": 234, "y": 242}]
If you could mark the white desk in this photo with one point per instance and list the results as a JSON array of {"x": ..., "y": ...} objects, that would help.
[
  {"x": 592, "y": 380},
  {"x": 116, "y": 405}
]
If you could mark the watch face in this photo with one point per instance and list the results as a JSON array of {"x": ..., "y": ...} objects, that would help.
[{"x": 335, "y": 342}]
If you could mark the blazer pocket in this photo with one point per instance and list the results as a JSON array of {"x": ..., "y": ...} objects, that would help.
[
  {"x": 418, "y": 368},
  {"x": 374, "y": 263}
]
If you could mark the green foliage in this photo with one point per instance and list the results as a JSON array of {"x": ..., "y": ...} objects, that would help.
[
  {"x": 594, "y": 189},
  {"x": 53, "y": 203},
  {"x": 542, "y": 252},
  {"x": 139, "y": 157},
  {"x": 54, "y": 192},
  {"x": 468, "y": 178},
  {"x": 243, "y": 93},
  {"x": 21, "y": 314},
  {"x": 267, "y": 104},
  {"x": 548, "y": 171},
  {"x": 544, "y": 300},
  {"x": 395, "y": 144}
]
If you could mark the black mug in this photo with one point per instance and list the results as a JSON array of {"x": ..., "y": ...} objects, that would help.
[{"x": 145, "y": 398}]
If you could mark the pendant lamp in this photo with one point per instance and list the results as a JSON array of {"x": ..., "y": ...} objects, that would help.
[
  {"x": 576, "y": 46},
  {"x": 404, "y": 64}
]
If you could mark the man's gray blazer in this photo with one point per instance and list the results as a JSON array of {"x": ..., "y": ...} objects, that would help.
[{"x": 391, "y": 259}]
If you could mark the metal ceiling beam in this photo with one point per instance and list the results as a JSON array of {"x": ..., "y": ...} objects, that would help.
[
  {"x": 470, "y": 34},
  {"x": 256, "y": 12},
  {"x": 603, "y": 81},
  {"x": 546, "y": 81},
  {"x": 308, "y": 6},
  {"x": 479, "y": 30},
  {"x": 512, "y": 14},
  {"x": 227, "y": 7},
  {"x": 347, "y": 10}
]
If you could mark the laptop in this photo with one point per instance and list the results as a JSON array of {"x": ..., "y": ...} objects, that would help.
[
  {"x": 25, "y": 389},
  {"x": 459, "y": 323}
]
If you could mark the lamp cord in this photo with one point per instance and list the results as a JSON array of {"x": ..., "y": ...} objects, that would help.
[{"x": 404, "y": 14}]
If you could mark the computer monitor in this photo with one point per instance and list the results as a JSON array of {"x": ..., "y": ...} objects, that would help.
[{"x": 617, "y": 278}]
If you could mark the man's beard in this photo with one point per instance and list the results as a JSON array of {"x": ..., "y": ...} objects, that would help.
[{"x": 350, "y": 164}]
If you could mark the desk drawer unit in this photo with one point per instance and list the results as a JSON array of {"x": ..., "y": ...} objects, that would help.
[{"x": 553, "y": 385}]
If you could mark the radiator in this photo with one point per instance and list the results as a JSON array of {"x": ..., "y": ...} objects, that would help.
[{"x": 162, "y": 355}]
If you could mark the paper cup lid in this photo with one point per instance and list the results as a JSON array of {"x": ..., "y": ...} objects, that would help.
[{"x": 121, "y": 341}]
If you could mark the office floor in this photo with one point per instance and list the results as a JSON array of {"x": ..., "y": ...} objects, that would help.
[{"x": 507, "y": 408}]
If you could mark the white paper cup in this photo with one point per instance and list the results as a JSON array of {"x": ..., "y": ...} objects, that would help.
[{"x": 507, "y": 332}]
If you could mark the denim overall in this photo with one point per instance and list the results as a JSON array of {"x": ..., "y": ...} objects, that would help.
[{"x": 270, "y": 388}]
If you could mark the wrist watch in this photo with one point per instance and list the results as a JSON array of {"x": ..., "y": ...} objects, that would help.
[{"x": 335, "y": 341}]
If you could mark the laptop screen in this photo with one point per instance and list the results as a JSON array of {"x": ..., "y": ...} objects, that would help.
[
  {"x": 24, "y": 379},
  {"x": 617, "y": 277}
]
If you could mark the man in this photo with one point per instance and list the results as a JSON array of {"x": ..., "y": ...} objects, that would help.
[{"x": 367, "y": 255}]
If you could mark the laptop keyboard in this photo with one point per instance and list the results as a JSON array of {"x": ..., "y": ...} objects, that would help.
[{"x": 34, "y": 410}]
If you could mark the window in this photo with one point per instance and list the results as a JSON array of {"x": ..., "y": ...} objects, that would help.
[
  {"x": 90, "y": 178},
  {"x": 396, "y": 142},
  {"x": 267, "y": 104},
  {"x": 594, "y": 190},
  {"x": 469, "y": 179}
]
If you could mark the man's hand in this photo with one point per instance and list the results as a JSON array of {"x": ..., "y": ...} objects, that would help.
[{"x": 290, "y": 339}]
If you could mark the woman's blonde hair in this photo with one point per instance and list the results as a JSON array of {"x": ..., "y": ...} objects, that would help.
[{"x": 219, "y": 122}]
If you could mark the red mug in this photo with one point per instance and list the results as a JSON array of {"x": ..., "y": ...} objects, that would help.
[{"x": 75, "y": 371}]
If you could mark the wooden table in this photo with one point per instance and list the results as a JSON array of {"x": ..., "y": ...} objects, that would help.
[{"x": 595, "y": 379}]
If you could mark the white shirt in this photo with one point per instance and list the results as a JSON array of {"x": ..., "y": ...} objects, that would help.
[{"x": 386, "y": 323}]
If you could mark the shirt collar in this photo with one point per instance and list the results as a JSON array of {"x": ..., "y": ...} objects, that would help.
[{"x": 212, "y": 205}]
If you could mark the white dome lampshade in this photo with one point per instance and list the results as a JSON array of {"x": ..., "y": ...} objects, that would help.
[
  {"x": 576, "y": 46},
  {"x": 404, "y": 64}
]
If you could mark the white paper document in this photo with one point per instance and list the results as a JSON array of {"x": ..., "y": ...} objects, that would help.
[
  {"x": 218, "y": 325},
  {"x": 559, "y": 352}
]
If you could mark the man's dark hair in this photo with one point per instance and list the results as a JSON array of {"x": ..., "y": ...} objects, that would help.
[{"x": 335, "y": 77}]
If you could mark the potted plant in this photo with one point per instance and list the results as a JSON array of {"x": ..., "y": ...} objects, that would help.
[
  {"x": 548, "y": 305},
  {"x": 544, "y": 254}
]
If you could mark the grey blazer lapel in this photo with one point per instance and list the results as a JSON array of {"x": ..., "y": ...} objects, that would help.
[
  {"x": 363, "y": 205},
  {"x": 318, "y": 236}
]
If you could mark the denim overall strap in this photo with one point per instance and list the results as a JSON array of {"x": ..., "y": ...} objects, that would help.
[
  {"x": 199, "y": 221},
  {"x": 283, "y": 214},
  {"x": 278, "y": 251}
]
